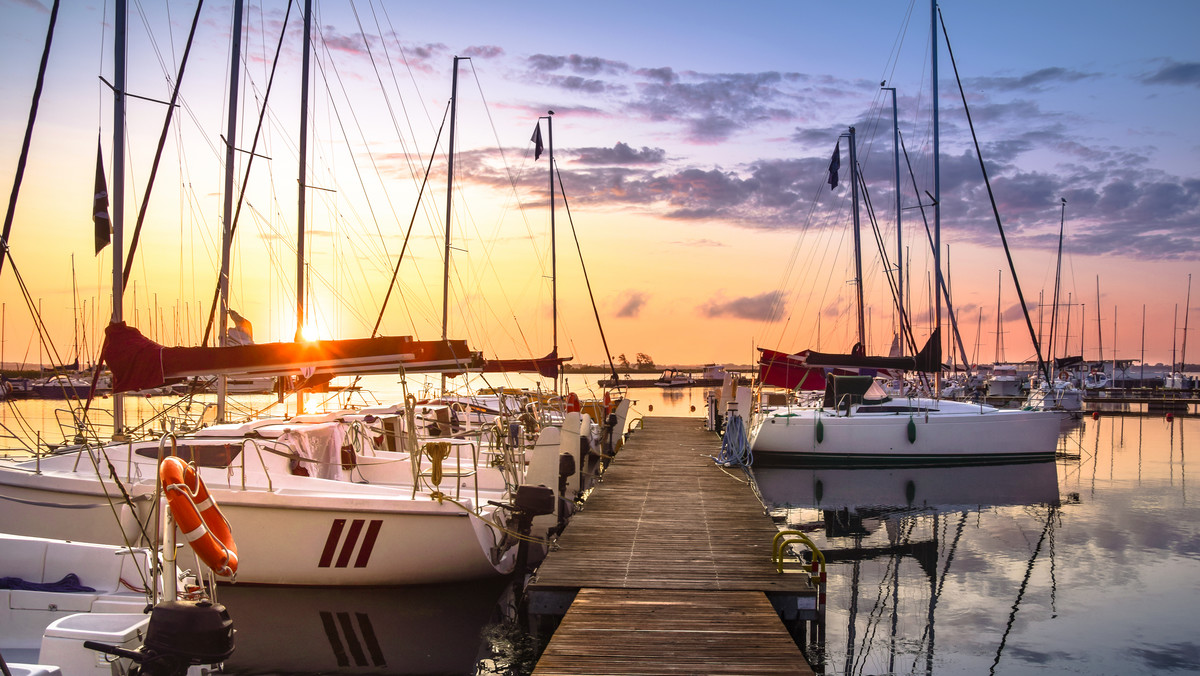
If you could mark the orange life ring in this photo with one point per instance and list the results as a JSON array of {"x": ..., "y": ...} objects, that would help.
[
  {"x": 201, "y": 521},
  {"x": 573, "y": 403}
]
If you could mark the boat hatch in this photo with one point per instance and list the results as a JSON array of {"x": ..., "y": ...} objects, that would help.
[
  {"x": 203, "y": 455},
  {"x": 842, "y": 391}
]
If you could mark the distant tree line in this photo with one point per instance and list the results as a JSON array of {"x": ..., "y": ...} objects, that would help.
[{"x": 641, "y": 362}]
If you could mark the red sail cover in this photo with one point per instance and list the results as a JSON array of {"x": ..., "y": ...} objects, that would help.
[
  {"x": 805, "y": 370},
  {"x": 546, "y": 366},
  {"x": 138, "y": 363},
  {"x": 791, "y": 371}
]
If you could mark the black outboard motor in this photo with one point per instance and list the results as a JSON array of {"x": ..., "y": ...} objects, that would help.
[
  {"x": 180, "y": 634},
  {"x": 528, "y": 501}
]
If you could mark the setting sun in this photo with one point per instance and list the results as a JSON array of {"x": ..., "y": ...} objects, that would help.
[{"x": 310, "y": 333}]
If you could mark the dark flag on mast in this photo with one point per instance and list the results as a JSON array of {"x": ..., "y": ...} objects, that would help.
[
  {"x": 100, "y": 204},
  {"x": 537, "y": 141},
  {"x": 835, "y": 164}
]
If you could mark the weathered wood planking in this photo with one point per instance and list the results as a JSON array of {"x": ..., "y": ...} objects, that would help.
[
  {"x": 666, "y": 517},
  {"x": 627, "y": 631},
  {"x": 671, "y": 556}
]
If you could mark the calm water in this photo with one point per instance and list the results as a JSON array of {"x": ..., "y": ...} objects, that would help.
[
  {"x": 1090, "y": 565},
  {"x": 1087, "y": 565}
]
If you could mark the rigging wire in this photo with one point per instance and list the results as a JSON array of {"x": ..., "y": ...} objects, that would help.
[
  {"x": 162, "y": 142},
  {"x": 249, "y": 162},
  {"x": 586, "y": 279},
  {"x": 411, "y": 223},
  {"x": 24, "y": 156},
  {"x": 1042, "y": 365}
]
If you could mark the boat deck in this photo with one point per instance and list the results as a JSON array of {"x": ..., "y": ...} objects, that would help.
[{"x": 667, "y": 569}]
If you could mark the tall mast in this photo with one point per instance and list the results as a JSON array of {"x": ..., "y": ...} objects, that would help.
[
  {"x": 1082, "y": 330},
  {"x": 1174, "y": 336},
  {"x": 1142, "y": 358},
  {"x": 449, "y": 199},
  {"x": 301, "y": 181},
  {"x": 302, "y": 186},
  {"x": 227, "y": 232},
  {"x": 999, "y": 334},
  {"x": 1099, "y": 331},
  {"x": 937, "y": 182},
  {"x": 449, "y": 205},
  {"x": 120, "y": 38},
  {"x": 74, "y": 311},
  {"x": 858, "y": 276},
  {"x": 899, "y": 237},
  {"x": 553, "y": 244},
  {"x": 1057, "y": 277},
  {"x": 1187, "y": 306}
]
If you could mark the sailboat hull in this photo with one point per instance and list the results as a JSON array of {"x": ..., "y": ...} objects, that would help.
[
  {"x": 290, "y": 531},
  {"x": 959, "y": 434}
]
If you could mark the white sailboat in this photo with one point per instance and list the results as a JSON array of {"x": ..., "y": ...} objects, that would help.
[
  {"x": 857, "y": 423},
  {"x": 1056, "y": 394}
]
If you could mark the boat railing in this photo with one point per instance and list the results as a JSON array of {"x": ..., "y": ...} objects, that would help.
[
  {"x": 79, "y": 429},
  {"x": 505, "y": 443},
  {"x": 260, "y": 445},
  {"x": 437, "y": 451}
]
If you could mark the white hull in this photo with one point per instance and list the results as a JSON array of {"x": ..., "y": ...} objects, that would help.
[
  {"x": 953, "y": 433},
  {"x": 292, "y": 531}
]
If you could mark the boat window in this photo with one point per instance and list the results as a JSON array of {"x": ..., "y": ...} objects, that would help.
[{"x": 203, "y": 455}]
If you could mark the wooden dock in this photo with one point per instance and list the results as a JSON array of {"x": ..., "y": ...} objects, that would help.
[{"x": 667, "y": 569}]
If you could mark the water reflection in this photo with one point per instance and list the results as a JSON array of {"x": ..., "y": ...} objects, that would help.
[
  {"x": 910, "y": 488},
  {"x": 1090, "y": 564},
  {"x": 434, "y": 629}
]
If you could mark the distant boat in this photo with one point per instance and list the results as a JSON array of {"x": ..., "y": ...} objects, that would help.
[
  {"x": 67, "y": 386},
  {"x": 1095, "y": 380},
  {"x": 1057, "y": 395},
  {"x": 1004, "y": 382},
  {"x": 674, "y": 378}
]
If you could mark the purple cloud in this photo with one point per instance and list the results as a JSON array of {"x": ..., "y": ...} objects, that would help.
[
  {"x": 763, "y": 307},
  {"x": 631, "y": 304}
]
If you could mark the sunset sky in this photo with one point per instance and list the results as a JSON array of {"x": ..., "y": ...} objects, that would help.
[{"x": 693, "y": 142}]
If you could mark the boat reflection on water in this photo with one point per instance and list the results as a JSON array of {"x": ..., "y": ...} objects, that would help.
[
  {"x": 868, "y": 521},
  {"x": 910, "y": 488},
  {"x": 428, "y": 629}
]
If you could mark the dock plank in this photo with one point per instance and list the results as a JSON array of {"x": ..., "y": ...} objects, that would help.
[
  {"x": 628, "y": 631},
  {"x": 670, "y": 565},
  {"x": 665, "y": 516}
]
